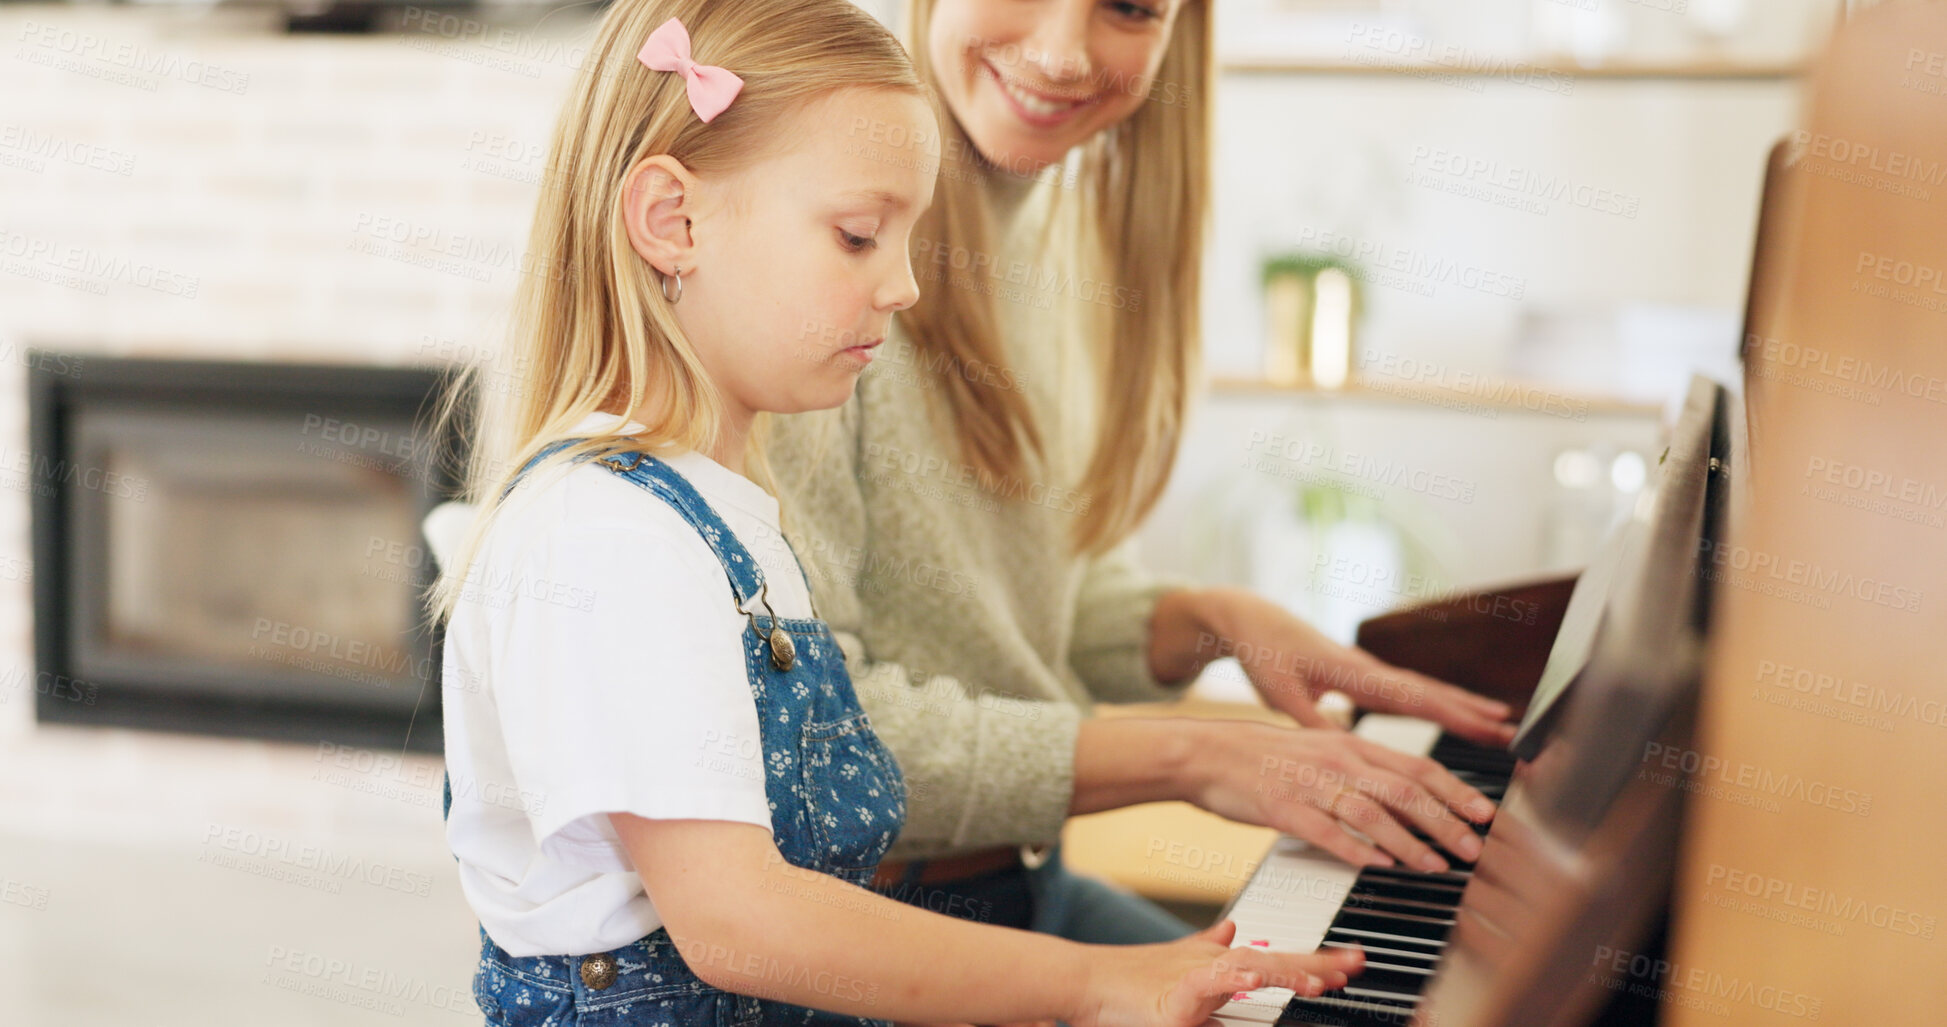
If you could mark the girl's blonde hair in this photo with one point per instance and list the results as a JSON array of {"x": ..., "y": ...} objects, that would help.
[
  {"x": 591, "y": 330},
  {"x": 1146, "y": 181}
]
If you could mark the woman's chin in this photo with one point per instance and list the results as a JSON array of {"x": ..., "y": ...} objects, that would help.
[{"x": 1005, "y": 143}]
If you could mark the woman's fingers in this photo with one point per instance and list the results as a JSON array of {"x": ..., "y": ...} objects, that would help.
[
  {"x": 1449, "y": 791},
  {"x": 1390, "y": 689},
  {"x": 1325, "y": 831},
  {"x": 1389, "y": 800},
  {"x": 1432, "y": 817},
  {"x": 1382, "y": 793},
  {"x": 1473, "y": 717},
  {"x": 1298, "y": 702},
  {"x": 1467, "y": 721},
  {"x": 1378, "y": 822}
]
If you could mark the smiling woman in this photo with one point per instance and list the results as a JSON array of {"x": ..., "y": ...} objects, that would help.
[
  {"x": 966, "y": 515},
  {"x": 1029, "y": 82}
]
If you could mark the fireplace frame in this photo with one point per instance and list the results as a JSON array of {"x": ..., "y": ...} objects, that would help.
[{"x": 58, "y": 384}]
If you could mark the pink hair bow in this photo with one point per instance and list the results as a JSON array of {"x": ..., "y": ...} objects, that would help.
[{"x": 710, "y": 88}]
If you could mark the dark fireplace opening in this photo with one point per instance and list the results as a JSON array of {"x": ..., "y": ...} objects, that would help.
[{"x": 234, "y": 548}]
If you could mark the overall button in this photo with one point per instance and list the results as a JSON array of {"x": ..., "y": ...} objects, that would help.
[
  {"x": 598, "y": 971},
  {"x": 784, "y": 652}
]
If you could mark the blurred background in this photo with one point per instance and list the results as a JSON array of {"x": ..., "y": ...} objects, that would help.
[{"x": 1464, "y": 255}]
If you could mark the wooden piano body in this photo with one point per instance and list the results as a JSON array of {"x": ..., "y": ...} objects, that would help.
[{"x": 1689, "y": 765}]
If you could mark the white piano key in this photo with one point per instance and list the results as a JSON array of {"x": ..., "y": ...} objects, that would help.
[
  {"x": 1297, "y": 889},
  {"x": 1407, "y": 734}
]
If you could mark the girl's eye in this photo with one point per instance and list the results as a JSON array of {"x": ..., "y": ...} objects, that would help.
[
  {"x": 1134, "y": 11},
  {"x": 855, "y": 243}
]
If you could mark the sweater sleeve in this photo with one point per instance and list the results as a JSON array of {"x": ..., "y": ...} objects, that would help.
[
  {"x": 1110, "y": 651},
  {"x": 981, "y": 769}
]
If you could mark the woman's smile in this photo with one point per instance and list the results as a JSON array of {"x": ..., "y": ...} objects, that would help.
[{"x": 1042, "y": 110}]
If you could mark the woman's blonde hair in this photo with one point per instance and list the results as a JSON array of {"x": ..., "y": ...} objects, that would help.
[
  {"x": 591, "y": 331},
  {"x": 1146, "y": 183}
]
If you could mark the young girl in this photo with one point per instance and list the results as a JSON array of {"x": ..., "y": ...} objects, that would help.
[{"x": 664, "y": 796}]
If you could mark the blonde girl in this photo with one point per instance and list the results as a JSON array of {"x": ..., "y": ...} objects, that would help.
[{"x": 664, "y": 797}]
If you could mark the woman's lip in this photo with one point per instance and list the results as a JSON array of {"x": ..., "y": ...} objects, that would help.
[{"x": 1037, "y": 118}]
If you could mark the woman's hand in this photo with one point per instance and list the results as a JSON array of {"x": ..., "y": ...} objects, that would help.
[
  {"x": 1181, "y": 983},
  {"x": 1313, "y": 784},
  {"x": 1291, "y": 664}
]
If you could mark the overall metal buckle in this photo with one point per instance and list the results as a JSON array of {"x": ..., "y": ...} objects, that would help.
[
  {"x": 615, "y": 463},
  {"x": 784, "y": 652}
]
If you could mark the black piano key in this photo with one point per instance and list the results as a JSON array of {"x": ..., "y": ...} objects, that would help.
[
  {"x": 1386, "y": 995},
  {"x": 1459, "y": 754},
  {"x": 1494, "y": 788},
  {"x": 1427, "y": 927},
  {"x": 1449, "y": 742},
  {"x": 1413, "y": 968},
  {"x": 1376, "y": 1001},
  {"x": 1359, "y": 935},
  {"x": 1400, "y": 917},
  {"x": 1335, "y": 1009},
  {"x": 1367, "y": 900},
  {"x": 1454, "y": 862},
  {"x": 1459, "y": 877},
  {"x": 1419, "y": 891},
  {"x": 1458, "y": 765},
  {"x": 1380, "y": 981},
  {"x": 1402, "y": 957}
]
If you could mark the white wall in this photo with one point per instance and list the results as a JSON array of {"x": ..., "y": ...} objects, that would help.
[
  {"x": 1655, "y": 211},
  {"x": 1350, "y": 155},
  {"x": 257, "y": 183},
  {"x": 146, "y": 153}
]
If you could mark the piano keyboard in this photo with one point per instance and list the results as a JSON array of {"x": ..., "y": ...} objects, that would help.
[{"x": 1302, "y": 898}]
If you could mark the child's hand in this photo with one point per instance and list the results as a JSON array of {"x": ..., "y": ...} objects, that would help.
[{"x": 1181, "y": 983}]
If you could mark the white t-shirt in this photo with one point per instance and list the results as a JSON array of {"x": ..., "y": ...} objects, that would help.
[{"x": 595, "y": 665}]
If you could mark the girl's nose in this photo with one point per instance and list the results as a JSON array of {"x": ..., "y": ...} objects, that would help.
[{"x": 902, "y": 292}]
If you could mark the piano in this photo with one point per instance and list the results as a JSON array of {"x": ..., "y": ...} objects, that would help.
[
  {"x": 1648, "y": 766},
  {"x": 1626, "y": 642}
]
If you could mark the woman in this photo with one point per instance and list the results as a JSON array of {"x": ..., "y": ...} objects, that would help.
[{"x": 965, "y": 519}]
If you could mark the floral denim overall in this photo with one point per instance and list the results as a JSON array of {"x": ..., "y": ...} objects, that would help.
[{"x": 837, "y": 801}]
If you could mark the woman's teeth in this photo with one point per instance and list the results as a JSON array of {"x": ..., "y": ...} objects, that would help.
[{"x": 1034, "y": 103}]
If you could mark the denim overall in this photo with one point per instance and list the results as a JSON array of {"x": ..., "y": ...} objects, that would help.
[{"x": 837, "y": 801}]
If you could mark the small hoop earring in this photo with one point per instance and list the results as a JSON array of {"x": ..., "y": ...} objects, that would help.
[{"x": 677, "y": 274}]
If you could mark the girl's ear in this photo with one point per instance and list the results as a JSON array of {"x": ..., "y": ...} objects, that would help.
[{"x": 658, "y": 198}]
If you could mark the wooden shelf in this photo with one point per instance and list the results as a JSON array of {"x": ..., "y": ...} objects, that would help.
[
  {"x": 1496, "y": 394},
  {"x": 1497, "y": 68}
]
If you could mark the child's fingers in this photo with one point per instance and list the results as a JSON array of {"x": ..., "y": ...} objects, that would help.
[
  {"x": 1205, "y": 989},
  {"x": 1307, "y": 973},
  {"x": 1223, "y": 932}
]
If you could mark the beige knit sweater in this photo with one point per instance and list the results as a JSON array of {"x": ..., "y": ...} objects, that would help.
[{"x": 976, "y": 638}]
